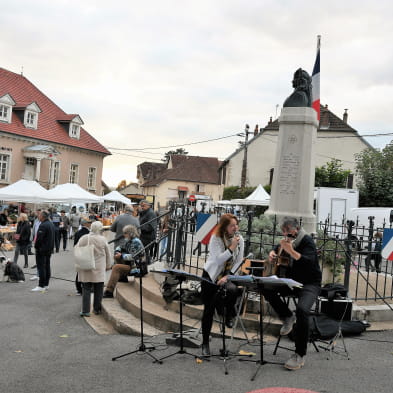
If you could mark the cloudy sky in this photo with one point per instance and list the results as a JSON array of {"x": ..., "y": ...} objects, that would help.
[{"x": 151, "y": 74}]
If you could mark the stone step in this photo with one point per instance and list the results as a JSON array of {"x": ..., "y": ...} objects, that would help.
[
  {"x": 125, "y": 322},
  {"x": 165, "y": 317}
]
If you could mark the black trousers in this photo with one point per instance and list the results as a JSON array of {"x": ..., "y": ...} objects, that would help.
[
  {"x": 63, "y": 235},
  {"x": 98, "y": 289},
  {"x": 222, "y": 298},
  {"x": 306, "y": 298},
  {"x": 43, "y": 267},
  {"x": 57, "y": 238}
]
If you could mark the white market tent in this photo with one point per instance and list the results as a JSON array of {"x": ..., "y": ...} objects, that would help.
[
  {"x": 258, "y": 198},
  {"x": 115, "y": 196},
  {"x": 71, "y": 193},
  {"x": 27, "y": 191}
]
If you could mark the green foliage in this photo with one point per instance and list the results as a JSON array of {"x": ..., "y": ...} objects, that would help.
[
  {"x": 178, "y": 151},
  {"x": 331, "y": 174},
  {"x": 375, "y": 181},
  {"x": 262, "y": 229},
  {"x": 235, "y": 192}
]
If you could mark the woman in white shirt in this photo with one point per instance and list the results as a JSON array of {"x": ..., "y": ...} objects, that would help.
[{"x": 226, "y": 249}]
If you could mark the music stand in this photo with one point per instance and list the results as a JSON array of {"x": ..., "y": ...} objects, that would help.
[
  {"x": 142, "y": 347},
  {"x": 259, "y": 283},
  {"x": 181, "y": 276}
]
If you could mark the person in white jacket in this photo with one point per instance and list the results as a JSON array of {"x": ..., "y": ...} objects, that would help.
[{"x": 226, "y": 250}]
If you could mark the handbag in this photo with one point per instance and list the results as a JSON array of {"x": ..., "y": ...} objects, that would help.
[{"x": 84, "y": 256}]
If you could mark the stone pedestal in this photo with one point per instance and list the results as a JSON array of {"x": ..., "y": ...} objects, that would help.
[{"x": 294, "y": 172}]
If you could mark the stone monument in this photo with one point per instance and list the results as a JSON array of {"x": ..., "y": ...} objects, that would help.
[{"x": 294, "y": 172}]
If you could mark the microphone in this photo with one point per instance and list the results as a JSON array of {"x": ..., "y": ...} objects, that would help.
[{"x": 116, "y": 239}]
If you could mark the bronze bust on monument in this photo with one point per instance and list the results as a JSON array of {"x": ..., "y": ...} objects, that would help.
[{"x": 301, "y": 97}]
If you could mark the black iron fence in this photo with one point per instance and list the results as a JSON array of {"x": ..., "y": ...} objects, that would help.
[{"x": 348, "y": 253}]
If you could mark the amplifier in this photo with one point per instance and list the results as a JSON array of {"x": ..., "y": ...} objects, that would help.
[{"x": 337, "y": 309}]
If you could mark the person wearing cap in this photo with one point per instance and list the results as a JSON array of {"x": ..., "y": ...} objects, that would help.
[
  {"x": 120, "y": 222},
  {"x": 148, "y": 226},
  {"x": 85, "y": 229}
]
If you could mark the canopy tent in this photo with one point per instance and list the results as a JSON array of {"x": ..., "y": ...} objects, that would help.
[
  {"x": 115, "y": 196},
  {"x": 27, "y": 191},
  {"x": 259, "y": 197},
  {"x": 71, "y": 193}
]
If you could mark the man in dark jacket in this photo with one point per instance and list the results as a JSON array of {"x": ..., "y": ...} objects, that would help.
[
  {"x": 305, "y": 269},
  {"x": 120, "y": 222},
  {"x": 44, "y": 243},
  {"x": 148, "y": 226}
]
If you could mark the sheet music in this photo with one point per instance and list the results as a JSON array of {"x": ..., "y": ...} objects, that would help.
[{"x": 266, "y": 280}]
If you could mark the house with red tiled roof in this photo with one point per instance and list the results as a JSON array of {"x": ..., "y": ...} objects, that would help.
[
  {"x": 180, "y": 177},
  {"x": 39, "y": 141},
  {"x": 335, "y": 139}
]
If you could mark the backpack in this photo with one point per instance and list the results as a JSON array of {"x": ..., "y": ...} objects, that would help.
[{"x": 333, "y": 291}]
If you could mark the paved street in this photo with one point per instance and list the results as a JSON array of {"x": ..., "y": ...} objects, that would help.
[{"x": 47, "y": 347}]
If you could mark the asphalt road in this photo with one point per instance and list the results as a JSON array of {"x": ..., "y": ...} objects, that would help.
[{"x": 47, "y": 347}]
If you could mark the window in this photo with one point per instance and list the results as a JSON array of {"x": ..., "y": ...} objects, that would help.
[
  {"x": 74, "y": 130},
  {"x": 91, "y": 178},
  {"x": 4, "y": 166},
  {"x": 54, "y": 172},
  {"x": 31, "y": 120},
  {"x": 5, "y": 112},
  {"x": 30, "y": 161},
  {"x": 200, "y": 188},
  {"x": 74, "y": 173}
]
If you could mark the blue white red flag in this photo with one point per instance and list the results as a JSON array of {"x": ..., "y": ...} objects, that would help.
[{"x": 316, "y": 101}]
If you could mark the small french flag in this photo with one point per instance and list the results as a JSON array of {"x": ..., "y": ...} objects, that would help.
[{"x": 316, "y": 101}]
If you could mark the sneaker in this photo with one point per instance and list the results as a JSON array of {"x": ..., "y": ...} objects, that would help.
[
  {"x": 295, "y": 362},
  {"x": 46, "y": 288},
  {"x": 38, "y": 289},
  {"x": 33, "y": 267},
  {"x": 205, "y": 350},
  {"x": 34, "y": 278},
  {"x": 287, "y": 325},
  {"x": 77, "y": 293},
  {"x": 84, "y": 314}
]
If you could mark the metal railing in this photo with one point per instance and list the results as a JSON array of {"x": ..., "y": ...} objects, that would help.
[{"x": 346, "y": 250}]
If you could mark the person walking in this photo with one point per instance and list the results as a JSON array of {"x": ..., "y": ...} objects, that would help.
[
  {"x": 64, "y": 227},
  {"x": 75, "y": 221},
  {"x": 148, "y": 226},
  {"x": 56, "y": 219},
  {"x": 94, "y": 279},
  {"x": 120, "y": 222},
  {"x": 44, "y": 243},
  {"x": 22, "y": 237}
]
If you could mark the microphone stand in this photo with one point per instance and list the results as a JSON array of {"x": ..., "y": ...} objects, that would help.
[{"x": 142, "y": 346}]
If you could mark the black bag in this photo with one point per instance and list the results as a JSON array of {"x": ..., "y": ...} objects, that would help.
[
  {"x": 333, "y": 291},
  {"x": 169, "y": 289}
]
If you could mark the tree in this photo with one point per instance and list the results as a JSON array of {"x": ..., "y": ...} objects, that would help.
[
  {"x": 331, "y": 174},
  {"x": 121, "y": 185},
  {"x": 375, "y": 182},
  {"x": 178, "y": 151}
]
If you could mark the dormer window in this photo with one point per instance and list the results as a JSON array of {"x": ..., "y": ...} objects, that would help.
[
  {"x": 6, "y": 104},
  {"x": 74, "y": 130},
  {"x": 31, "y": 116}
]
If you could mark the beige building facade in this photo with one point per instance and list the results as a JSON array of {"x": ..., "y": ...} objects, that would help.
[
  {"x": 39, "y": 141},
  {"x": 335, "y": 139}
]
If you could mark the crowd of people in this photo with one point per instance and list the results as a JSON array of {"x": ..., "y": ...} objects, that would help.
[{"x": 47, "y": 232}]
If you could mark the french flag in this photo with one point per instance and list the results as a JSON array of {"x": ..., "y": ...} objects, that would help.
[{"x": 316, "y": 101}]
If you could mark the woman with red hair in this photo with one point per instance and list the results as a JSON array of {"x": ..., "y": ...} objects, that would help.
[{"x": 226, "y": 249}]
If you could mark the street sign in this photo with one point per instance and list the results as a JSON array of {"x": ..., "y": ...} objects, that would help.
[
  {"x": 191, "y": 198},
  {"x": 387, "y": 244}
]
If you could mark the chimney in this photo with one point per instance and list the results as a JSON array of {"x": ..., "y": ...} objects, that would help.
[
  {"x": 256, "y": 130},
  {"x": 270, "y": 120},
  {"x": 345, "y": 116}
]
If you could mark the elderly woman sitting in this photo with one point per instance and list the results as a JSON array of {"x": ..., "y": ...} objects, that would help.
[{"x": 125, "y": 258}]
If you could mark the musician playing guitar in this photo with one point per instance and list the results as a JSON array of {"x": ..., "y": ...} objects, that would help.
[{"x": 305, "y": 269}]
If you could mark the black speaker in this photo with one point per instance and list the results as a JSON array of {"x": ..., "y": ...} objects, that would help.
[{"x": 337, "y": 309}]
